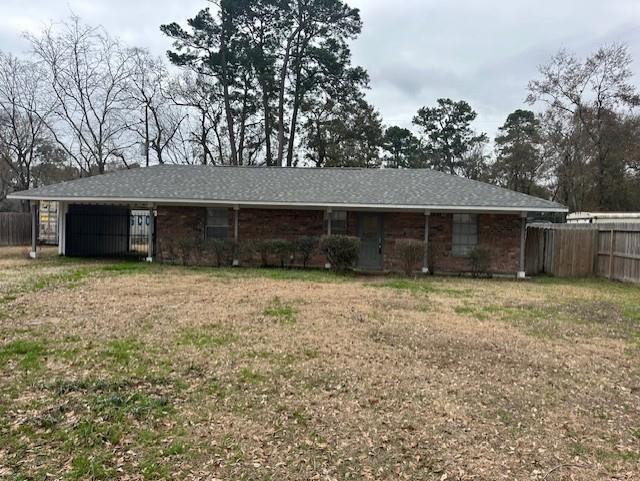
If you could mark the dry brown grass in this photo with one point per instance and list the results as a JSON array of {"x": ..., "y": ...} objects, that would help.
[{"x": 172, "y": 373}]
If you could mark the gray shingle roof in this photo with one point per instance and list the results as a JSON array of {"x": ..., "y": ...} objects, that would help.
[{"x": 383, "y": 188}]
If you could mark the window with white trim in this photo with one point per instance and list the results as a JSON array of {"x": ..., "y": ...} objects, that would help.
[
  {"x": 217, "y": 226},
  {"x": 338, "y": 222},
  {"x": 465, "y": 234}
]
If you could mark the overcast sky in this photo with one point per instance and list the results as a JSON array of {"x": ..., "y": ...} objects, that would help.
[{"x": 482, "y": 51}]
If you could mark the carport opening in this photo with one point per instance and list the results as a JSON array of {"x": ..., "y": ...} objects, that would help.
[{"x": 108, "y": 231}]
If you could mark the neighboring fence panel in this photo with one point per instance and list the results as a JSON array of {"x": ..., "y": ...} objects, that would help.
[
  {"x": 534, "y": 249},
  {"x": 15, "y": 228},
  {"x": 619, "y": 259},
  {"x": 583, "y": 250}
]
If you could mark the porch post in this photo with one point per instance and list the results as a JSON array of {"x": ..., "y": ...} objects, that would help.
[
  {"x": 236, "y": 235},
  {"x": 327, "y": 265},
  {"x": 62, "y": 227},
  {"x": 523, "y": 243},
  {"x": 150, "y": 234},
  {"x": 425, "y": 263},
  {"x": 34, "y": 230}
]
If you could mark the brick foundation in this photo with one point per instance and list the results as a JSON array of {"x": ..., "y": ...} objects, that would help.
[{"x": 500, "y": 233}]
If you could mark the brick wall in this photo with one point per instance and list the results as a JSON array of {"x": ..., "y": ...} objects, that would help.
[
  {"x": 279, "y": 223},
  {"x": 174, "y": 226},
  {"x": 498, "y": 232}
]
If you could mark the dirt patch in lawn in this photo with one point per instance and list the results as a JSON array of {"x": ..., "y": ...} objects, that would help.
[{"x": 174, "y": 373}]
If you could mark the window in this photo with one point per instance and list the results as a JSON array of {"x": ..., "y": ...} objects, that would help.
[
  {"x": 338, "y": 222},
  {"x": 465, "y": 234},
  {"x": 217, "y": 224}
]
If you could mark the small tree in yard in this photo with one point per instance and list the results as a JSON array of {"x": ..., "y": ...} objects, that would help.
[
  {"x": 342, "y": 251},
  {"x": 410, "y": 252},
  {"x": 304, "y": 247},
  {"x": 480, "y": 261}
]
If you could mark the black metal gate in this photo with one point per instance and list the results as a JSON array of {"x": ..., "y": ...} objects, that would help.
[{"x": 107, "y": 231}]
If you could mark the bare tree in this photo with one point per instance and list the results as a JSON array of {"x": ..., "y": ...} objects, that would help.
[
  {"x": 204, "y": 114},
  {"x": 89, "y": 76},
  {"x": 160, "y": 118},
  {"x": 23, "y": 112},
  {"x": 590, "y": 94}
]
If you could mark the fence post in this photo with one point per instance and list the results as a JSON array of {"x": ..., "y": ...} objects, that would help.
[{"x": 613, "y": 236}]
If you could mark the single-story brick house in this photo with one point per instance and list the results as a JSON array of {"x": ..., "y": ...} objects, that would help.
[{"x": 379, "y": 206}]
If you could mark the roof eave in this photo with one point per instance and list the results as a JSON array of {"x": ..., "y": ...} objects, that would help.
[{"x": 258, "y": 204}]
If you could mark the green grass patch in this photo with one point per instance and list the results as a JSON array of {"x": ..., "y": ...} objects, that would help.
[
  {"x": 117, "y": 405},
  {"x": 249, "y": 376},
  {"x": 281, "y": 312},
  {"x": 93, "y": 467},
  {"x": 420, "y": 287},
  {"x": 471, "y": 312},
  {"x": 28, "y": 353},
  {"x": 413, "y": 286},
  {"x": 122, "y": 350},
  {"x": 176, "y": 448},
  {"x": 307, "y": 275},
  {"x": 68, "y": 279},
  {"x": 128, "y": 267},
  {"x": 211, "y": 335},
  {"x": 153, "y": 469},
  {"x": 88, "y": 433}
]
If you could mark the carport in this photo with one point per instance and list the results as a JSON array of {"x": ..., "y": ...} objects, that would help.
[{"x": 103, "y": 230}]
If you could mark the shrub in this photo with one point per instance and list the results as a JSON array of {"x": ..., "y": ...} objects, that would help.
[
  {"x": 246, "y": 250},
  {"x": 169, "y": 251},
  {"x": 223, "y": 250},
  {"x": 188, "y": 250},
  {"x": 410, "y": 253},
  {"x": 342, "y": 251},
  {"x": 480, "y": 261},
  {"x": 274, "y": 249},
  {"x": 304, "y": 247},
  {"x": 263, "y": 248},
  {"x": 282, "y": 251}
]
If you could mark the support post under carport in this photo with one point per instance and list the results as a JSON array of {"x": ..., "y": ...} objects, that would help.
[
  {"x": 425, "y": 261},
  {"x": 34, "y": 230},
  {"x": 327, "y": 265},
  {"x": 63, "y": 207},
  {"x": 236, "y": 235},
  {"x": 150, "y": 234},
  {"x": 523, "y": 244}
]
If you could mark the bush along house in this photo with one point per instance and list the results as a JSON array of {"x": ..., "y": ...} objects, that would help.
[{"x": 256, "y": 215}]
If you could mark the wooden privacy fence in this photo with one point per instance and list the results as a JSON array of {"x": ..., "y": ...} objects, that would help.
[
  {"x": 15, "y": 228},
  {"x": 618, "y": 255},
  {"x": 566, "y": 250}
]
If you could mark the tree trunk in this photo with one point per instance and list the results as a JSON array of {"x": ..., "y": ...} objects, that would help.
[
  {"x": 146, "y": 134},
  {"x": 297, "y": 98},
  {"x": 283, "y": 84},
  {"x": 267, "y": 124},
  {"x": 225, "y": 87},
  {"x": 243, "y": 123}
]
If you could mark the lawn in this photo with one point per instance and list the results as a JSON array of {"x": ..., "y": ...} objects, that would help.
[{"x": 134, "y": 371}]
